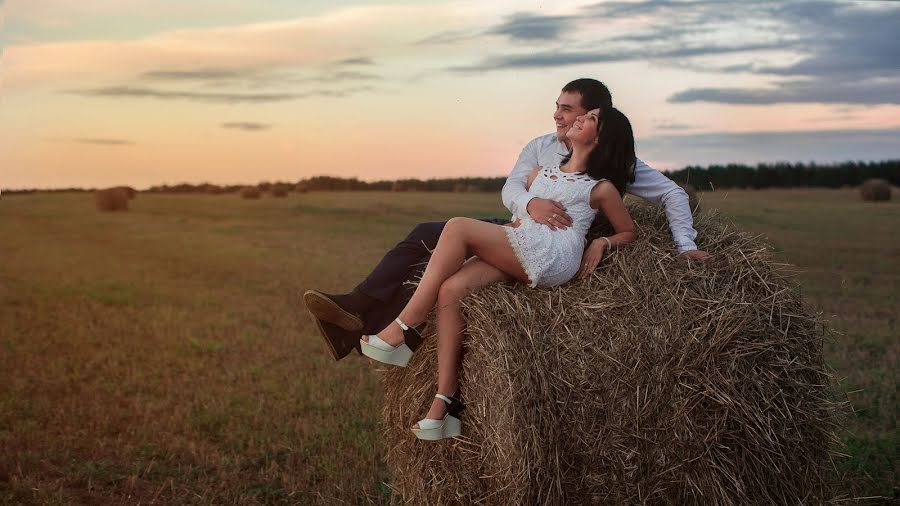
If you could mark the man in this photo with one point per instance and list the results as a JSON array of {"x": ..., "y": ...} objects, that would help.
[{"x": 376, "y": 301}]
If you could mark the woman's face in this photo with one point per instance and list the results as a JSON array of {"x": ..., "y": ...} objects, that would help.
[{"x": 584, "y": 130}]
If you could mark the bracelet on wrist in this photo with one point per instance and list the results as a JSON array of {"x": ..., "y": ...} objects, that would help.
[{"x": 608, "y": 242}]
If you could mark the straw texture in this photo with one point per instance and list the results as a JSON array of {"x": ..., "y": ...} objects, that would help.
[{"x": 654, "y": 381}]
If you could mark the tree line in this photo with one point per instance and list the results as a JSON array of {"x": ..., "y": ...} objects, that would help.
[
  {"x": 763, "y": 175},
  {"x": 786, "y": 175}
]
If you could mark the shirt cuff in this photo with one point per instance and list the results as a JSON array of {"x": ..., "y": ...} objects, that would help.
[
  {"x": 683, "y": 244},
  {"x": 522, "y": 205}
]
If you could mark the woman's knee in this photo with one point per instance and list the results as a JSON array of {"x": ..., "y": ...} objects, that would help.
[
  {"x": 451, "y": 291},
  {"x": 457, "y": 225}
]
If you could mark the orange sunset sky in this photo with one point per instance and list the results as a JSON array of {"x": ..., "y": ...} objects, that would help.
[{"x": 145, "y": 92}]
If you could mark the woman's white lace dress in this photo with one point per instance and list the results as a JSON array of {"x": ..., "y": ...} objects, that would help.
[{"x": 552, "y": 257}]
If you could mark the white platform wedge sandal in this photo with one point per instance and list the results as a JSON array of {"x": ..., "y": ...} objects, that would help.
[
  {"x": 450, "y": 426},
  {"x": 399, "y": 355}
]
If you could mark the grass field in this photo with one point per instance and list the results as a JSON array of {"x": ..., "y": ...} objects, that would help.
[{"x": 162, "y": 355}]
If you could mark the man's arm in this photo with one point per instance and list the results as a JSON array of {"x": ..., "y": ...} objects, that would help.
[
  {"x": 652, "y": 186},
  {"x": 521, "y": 202},
  {"x": 514, "y": 194}
]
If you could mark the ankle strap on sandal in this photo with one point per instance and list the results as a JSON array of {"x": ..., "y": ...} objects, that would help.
[
  {"x": 455, "y": 406},
  {"x": 403, "y": 326}
]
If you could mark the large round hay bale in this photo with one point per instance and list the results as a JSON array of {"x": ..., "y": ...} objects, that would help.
[
  {"x": 875, "y": 190},
  {"x": 693, "y": 199},
  {"x": 250, "y": 192},
  {"x": 302, "y": 187},
  {"x": 655, "y": 381},
  {"x": 112, "y": 199},
  {"x": 399, "y": 186}
]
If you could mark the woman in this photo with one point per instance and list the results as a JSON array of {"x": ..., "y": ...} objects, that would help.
[{"x": 592, "y": 178}]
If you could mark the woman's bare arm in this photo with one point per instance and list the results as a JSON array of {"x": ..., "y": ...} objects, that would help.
[{"x": 606, "y": 198}]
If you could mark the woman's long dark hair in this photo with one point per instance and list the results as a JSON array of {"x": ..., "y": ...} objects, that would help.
[{"x": 613, "y": 157}]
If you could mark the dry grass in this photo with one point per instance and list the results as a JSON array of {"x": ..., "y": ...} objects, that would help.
[
  {"x": 162, "y": 355},
  {"x": 655, "y": 382}
]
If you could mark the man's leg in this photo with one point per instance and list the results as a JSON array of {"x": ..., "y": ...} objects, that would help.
[
  {"x": 462, "y": 238},
  {"x": 394, "y": 269},
  {"x": 348, "y": 315},
  {"x": 379, "y": 298},
  {"x": 380, "y": 315}
]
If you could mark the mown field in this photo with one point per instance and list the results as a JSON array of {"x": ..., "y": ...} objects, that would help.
[{"x": 163, "y": 356}]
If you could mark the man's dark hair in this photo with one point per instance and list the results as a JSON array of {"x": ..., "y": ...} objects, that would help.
[{"x": 594, "y": 94}]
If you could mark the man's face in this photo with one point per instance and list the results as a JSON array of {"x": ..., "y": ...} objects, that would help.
[{"x": 568, "y": 109}]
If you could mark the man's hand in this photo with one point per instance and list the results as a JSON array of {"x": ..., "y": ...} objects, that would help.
[
  {"x": 591, "y": 258},
  {"x": 549, "y": 212},
  {"x": 697, "y": 256}
]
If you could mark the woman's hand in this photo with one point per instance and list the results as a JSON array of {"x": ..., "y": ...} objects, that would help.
[
  {"x": 591, "y": 258},
  {"x": 549, "y": 212}
]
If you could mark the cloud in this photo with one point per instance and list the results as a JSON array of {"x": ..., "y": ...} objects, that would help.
[
  {"x": 447, "y": 37},
  {"x": 530, "y": 27},
  {"x": 196, "y": 75},
  {"x": 247, "y": 125},
  {"x": 141, "y": 92},
  {"x": 345, "y": 75},
  {"x": 646, "y": 8},
  {"x": 849, "y": 55},
  {"x": 562, "y": 58},
  {"x": 103, "y": 142},
  {"x": 768, "y": 146},
  {"x": 303, "y": 44},
  {"x": 870, "y": 92},
  {"x": 840, "y": 52},
  {"x": 355, "y": 61},
  {"x": 672, "y": 125}
]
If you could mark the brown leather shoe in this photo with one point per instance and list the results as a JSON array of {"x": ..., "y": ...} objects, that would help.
[
  {"x": 324, "y": 308},
  {"x": 340, "y": 342}
]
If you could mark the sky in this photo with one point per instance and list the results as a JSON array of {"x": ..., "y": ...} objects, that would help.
[{"x": 146, "y": 92}]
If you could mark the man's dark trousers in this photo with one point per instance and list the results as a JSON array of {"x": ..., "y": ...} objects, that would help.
[{"x": 391, "y": 281}]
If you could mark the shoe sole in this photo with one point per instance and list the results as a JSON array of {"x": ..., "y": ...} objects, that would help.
[
  {"x": 452, "y": 427},
  {"x": 399, "y": 356},
  {"x": 327, "y": 310},
  {"x": 332, "y": 345}
]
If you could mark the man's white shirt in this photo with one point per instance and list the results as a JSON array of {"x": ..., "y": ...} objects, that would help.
[{"x": 649, "y": 184}]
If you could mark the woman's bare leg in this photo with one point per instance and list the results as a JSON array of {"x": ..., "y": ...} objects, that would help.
[
  {"x": 474, "y": 275},
  {"x": 460, "y": 237}
]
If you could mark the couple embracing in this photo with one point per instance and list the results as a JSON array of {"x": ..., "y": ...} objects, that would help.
[{"x": 559, "y": 184}]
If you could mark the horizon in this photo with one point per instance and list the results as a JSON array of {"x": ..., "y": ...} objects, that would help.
[
  {"x": 144, "y": 93},
  {"x": 375, "y": 181}
]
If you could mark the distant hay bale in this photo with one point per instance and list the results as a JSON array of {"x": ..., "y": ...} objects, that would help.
[
  {"x": 129, "y": 191},
  {"x": 873, "y": 190},
  {"x": 250, "y": 192},
  {"x": 399, "y": 186},
  {"x": 280, "y": 191},
  {"x": 460, "y": 187},
  {"x": 301, "y": 188},
  {"x": 112, "y": 199},
  {"x": 655, "y": 381},
  {"x": 693, "y": 200}
]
